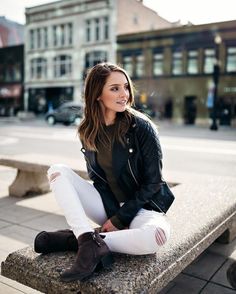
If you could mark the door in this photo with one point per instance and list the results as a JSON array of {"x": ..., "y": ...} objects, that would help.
[{"x": 190, "y": 109}]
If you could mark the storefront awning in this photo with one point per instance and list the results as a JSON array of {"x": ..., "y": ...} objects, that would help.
[{"x": 10, "y": 91}]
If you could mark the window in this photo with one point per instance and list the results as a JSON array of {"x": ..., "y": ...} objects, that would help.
[
  {"x": 106, "y": 28},
  {"x": 209, "y": 60},
  {"x": 177, "y": 65},
  {"x": 54, "y": 36},
  {"x": 32, "y": 37},
  {"x": 94, "y": 57},
  {"x": 139, "y": 66},
  {"x": 9, "y": 73},
  {"x": 2, "y": 73},
  {"x": 135, "y": 19},
  {"x": 231, "y": 59},
  {"x": 45, "y": 34},
  {"x": 70, "y": 33},
  {"x": 97, "y": 29},
  {"x": 17, "y": 72},
  {"x": 62, "y": 66},
  {"x": 39, "y": 39},
  {"x": 192, "y": 67},
  {"x": 158, "y": 64},
  {"x": 88, "y": 31},
  {"x": 128, "y": 65},
  {"x": 62, "y": 35},
  {"x": 38, "y": 68}
]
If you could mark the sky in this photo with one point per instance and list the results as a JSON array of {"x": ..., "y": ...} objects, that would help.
[{"x": 194, "y": 11}]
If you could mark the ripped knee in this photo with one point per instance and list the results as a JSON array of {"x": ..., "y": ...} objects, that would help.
[
  {"x": 53, "y": 177},
  {"x": 160, "y": 236}
]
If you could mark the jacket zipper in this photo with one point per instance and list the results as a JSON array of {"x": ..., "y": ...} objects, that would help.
[
  {"x": 93, "y": 169},
  {"x": 97, "y": 173},
  {"x": 132, "y": 173},
  {"x": 157, "y": 206}
]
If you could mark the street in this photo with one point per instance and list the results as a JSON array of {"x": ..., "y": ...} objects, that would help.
[{"x": 189, "y": 148}]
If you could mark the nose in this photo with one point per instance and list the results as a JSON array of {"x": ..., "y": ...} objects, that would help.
[{"x": 124, "y": 93}]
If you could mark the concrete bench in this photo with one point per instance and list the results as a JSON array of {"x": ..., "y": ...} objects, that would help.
[
  {"x": 204, "y": 210},
  {"x": 31, "y": 177}
]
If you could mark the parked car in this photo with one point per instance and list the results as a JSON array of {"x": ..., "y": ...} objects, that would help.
[{"x": 67, "y": 113}]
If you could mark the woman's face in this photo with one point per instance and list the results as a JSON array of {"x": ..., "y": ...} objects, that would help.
[{"x": 115, "y": 95}]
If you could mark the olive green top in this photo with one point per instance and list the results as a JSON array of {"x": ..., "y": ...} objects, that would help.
[{"x": 104, "y": 158}]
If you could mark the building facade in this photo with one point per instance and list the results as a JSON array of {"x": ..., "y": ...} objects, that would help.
[
  {"x": 173, "y": 70},
  {"x": 11, "y": 66},
  {"x": 60, "y": 37},
  {"x": 11, "y": 79},
  {"x": 66, "y": 37}
]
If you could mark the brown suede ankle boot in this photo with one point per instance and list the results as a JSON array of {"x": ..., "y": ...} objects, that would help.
[
  {"x": 62, "y": 240},
  {"x": 92, "y": 253}
]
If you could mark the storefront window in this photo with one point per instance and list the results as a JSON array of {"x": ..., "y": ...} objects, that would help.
[
  {"x": 192, "y": 67},
  {"x": 158, "y": 64},
  {"x": 139, "y": 66},
  {"x": 128, "y": 65},
  {"x": 177, "y": 63},
  {"x": 231, "y": 59},
  {"x": 209, "y": 60}
]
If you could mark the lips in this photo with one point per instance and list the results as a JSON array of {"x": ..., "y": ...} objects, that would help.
[{"x": 122, "y": 102}]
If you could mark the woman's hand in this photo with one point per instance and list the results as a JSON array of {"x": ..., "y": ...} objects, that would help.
[{"x": 108, "y": 227}]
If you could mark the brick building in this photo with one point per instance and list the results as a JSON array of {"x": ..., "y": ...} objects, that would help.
[
  {"x": 173, "y": 70},
  {"x": 11, "y": 66},
  {"x": 11, "y": 79}
]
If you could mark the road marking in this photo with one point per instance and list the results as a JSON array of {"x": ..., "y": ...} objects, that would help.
[
  {"x": 200, "y": 149},
  {"x": 199, "y": 145},
  {"x": 65, "y": 136},
  {"x": 168, "y": 143},
  {"x": 8, "y": 140}
]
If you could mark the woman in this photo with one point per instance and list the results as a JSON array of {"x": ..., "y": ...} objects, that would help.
[{"x": 128, "y": 198}]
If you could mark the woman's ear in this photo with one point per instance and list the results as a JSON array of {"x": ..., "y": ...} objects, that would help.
[{"x": 98, "y": 98}]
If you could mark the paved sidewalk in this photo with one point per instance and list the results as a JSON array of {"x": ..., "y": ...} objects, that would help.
[{"x": 22, "y": 219}]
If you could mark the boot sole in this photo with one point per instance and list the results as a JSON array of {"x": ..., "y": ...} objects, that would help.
[{"x": 105, "y": 262}]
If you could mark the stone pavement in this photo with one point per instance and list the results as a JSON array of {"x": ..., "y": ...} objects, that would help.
[{"x": 22, "y": 219}]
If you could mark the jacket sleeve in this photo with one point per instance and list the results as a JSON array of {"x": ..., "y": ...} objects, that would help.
[{"x": 150, "y": 150}]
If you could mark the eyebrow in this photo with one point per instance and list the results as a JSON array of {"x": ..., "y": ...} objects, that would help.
[{"x": 112, "y": 85}]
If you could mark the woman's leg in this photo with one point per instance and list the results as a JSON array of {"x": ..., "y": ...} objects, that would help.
[
  {"x": 78, "y": 199},
  {"x": 147, "y": 232}
]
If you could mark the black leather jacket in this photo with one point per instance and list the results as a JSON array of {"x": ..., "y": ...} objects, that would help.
[{"x": 137, "y": 168}]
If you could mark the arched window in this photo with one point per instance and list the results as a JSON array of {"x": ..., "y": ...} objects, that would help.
[
  {"x": 62, "y": 66},
  {"x": 95, "y": 57},
  {"x": 38, "y": 68}
]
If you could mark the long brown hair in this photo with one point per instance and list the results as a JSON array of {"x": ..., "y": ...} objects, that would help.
[{"x": 91, "y": 129}]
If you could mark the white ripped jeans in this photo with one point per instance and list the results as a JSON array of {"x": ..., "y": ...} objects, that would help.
[{"x": 80, "y": 201}]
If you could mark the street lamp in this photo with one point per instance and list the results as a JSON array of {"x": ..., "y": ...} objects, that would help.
[{"x": 216, "y": 73}]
